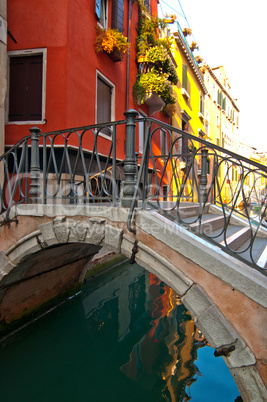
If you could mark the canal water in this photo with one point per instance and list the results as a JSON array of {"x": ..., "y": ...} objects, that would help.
[{"x": 126, "y": 337}]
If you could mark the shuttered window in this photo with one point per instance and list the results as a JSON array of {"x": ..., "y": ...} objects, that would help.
[
  {"x": 25, "y": 88},
  {"x": 104, "y": 103},
  {"x": 201, "y": 104},
  {"x": 117, "y": 14},
  {"x": 163, "y": 143},
  {"x": 224, "y": 104},
  {"x": 184, "y": 77}
]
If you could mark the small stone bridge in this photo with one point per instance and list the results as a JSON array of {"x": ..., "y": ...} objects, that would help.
[
  {"x": 52, "y": 223},
  {"x": 45, "y": 251}
]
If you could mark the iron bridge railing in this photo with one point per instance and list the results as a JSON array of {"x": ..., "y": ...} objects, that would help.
[
  {"x": 176, "y": 173},
  {"x": 213, "y": 192},
  {"x": 74, "y": 166}
]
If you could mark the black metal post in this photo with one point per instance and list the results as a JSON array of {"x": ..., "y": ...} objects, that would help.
[
  {"x": 35, "y": 166},
  {"x": 203, "y": 177},
  {"x": 130, "y": 163}
]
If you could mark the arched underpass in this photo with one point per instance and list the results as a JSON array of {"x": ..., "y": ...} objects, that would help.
[{"x": 44, "y": 257}]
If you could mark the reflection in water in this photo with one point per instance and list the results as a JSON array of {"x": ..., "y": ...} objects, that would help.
[{"x": 127, "y": 337}]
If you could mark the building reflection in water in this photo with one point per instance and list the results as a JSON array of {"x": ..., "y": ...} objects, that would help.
[{"x": 141, "y": 323}]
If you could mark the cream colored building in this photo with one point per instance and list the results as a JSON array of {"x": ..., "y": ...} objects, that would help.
[{"x": 221, "y": 111}]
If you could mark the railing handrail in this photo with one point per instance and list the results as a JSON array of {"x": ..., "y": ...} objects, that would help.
[
  {"x": 202, "y": 141},
  {"x": 138, "y": 120},
  {"x": 59, "y": 132}
]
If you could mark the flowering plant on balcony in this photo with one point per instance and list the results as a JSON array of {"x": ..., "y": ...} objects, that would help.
[
  {"x": 194, "y": 46},
  {"x": 187, "y": 31},
  {"x": 110, "y": 40},
  {"x": 152, "y": 82}
]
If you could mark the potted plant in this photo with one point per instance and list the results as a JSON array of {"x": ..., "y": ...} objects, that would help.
[
  {"x": 198, "y": 59},
  {"x": 194, "y": 46},
  {"x": 169, "y": 110},
  {"x": 111, "y": 41},
  {"x": 187, "y": 31}
]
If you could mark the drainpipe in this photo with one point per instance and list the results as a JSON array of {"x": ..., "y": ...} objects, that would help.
[{"x": 129, "y": 53}]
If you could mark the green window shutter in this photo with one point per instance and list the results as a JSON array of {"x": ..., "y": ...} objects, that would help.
[
  {"x": 117, "y": 15},
  {"x": 224, "y": 104},
  {"x": 184, "y": 77}
]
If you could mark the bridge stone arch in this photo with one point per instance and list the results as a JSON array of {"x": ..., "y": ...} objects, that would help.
[{"x": 73, "y": 239}]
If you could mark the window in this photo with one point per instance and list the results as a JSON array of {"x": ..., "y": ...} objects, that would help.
[
  {"x": 219, "y": 97},
  {"x": 105, "y": 99},
  {"x": 184, "y": 139},
  {"x": 184, "y": 77},
  {"x": 141, "y": 132},
  {"x": 101, "y": 10},
  {"x": 165, "y": 192},
  {"x": 185, "y": 83},
  {"x": 26, "y": 94},
  {"x": 163, "y": 143},
  {"x": 117, "y": 15},
  {"x": 206, "y": 128},
  {"x": 147, "y": 5},
  {"x": 201, "y": 104},
  {"x": 224, "y": 103}
]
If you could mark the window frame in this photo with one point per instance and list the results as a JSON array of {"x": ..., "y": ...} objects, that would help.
[
  {"x": 141, "y": 132},
  {"x": 103, "y": 22},
  {"x": 25, "y": 53},
  {"x": 112, "y": 111},
  {"x": 163, "y": 143}
]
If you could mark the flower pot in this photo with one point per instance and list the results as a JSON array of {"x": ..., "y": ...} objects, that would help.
[
  {"x": 142, "y": 59},
  {"x": 115, "y": 55}
]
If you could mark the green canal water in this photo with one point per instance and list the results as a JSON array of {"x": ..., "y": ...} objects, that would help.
[{"x": 125, "y": 337}]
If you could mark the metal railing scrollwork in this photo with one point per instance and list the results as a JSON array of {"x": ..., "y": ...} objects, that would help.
[{"x": 210, "y": 190}]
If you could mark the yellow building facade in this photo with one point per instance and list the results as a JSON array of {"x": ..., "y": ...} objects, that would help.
[
  {"x": 189, "y": 113},
  {"x": 190, "y": 90}
]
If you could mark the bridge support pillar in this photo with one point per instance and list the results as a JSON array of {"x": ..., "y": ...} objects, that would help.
[
  {"x": 130, "y": 163},
  {"x": 35, "y": 166}
]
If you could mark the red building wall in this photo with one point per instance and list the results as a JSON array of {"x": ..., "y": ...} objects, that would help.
[{"x": 66, "y": 28}]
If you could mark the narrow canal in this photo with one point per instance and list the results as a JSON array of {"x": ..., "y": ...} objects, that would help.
[{"x": 126, "y": 337}]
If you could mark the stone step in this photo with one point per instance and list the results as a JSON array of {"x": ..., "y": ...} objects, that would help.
[
  {"x": 237, "y": 239},
  {"x": 209, "y": 224}
]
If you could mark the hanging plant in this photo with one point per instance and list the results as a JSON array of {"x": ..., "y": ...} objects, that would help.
[
  {"x": 109, "y": 40},
  {"x": 152, "y": 82}
]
